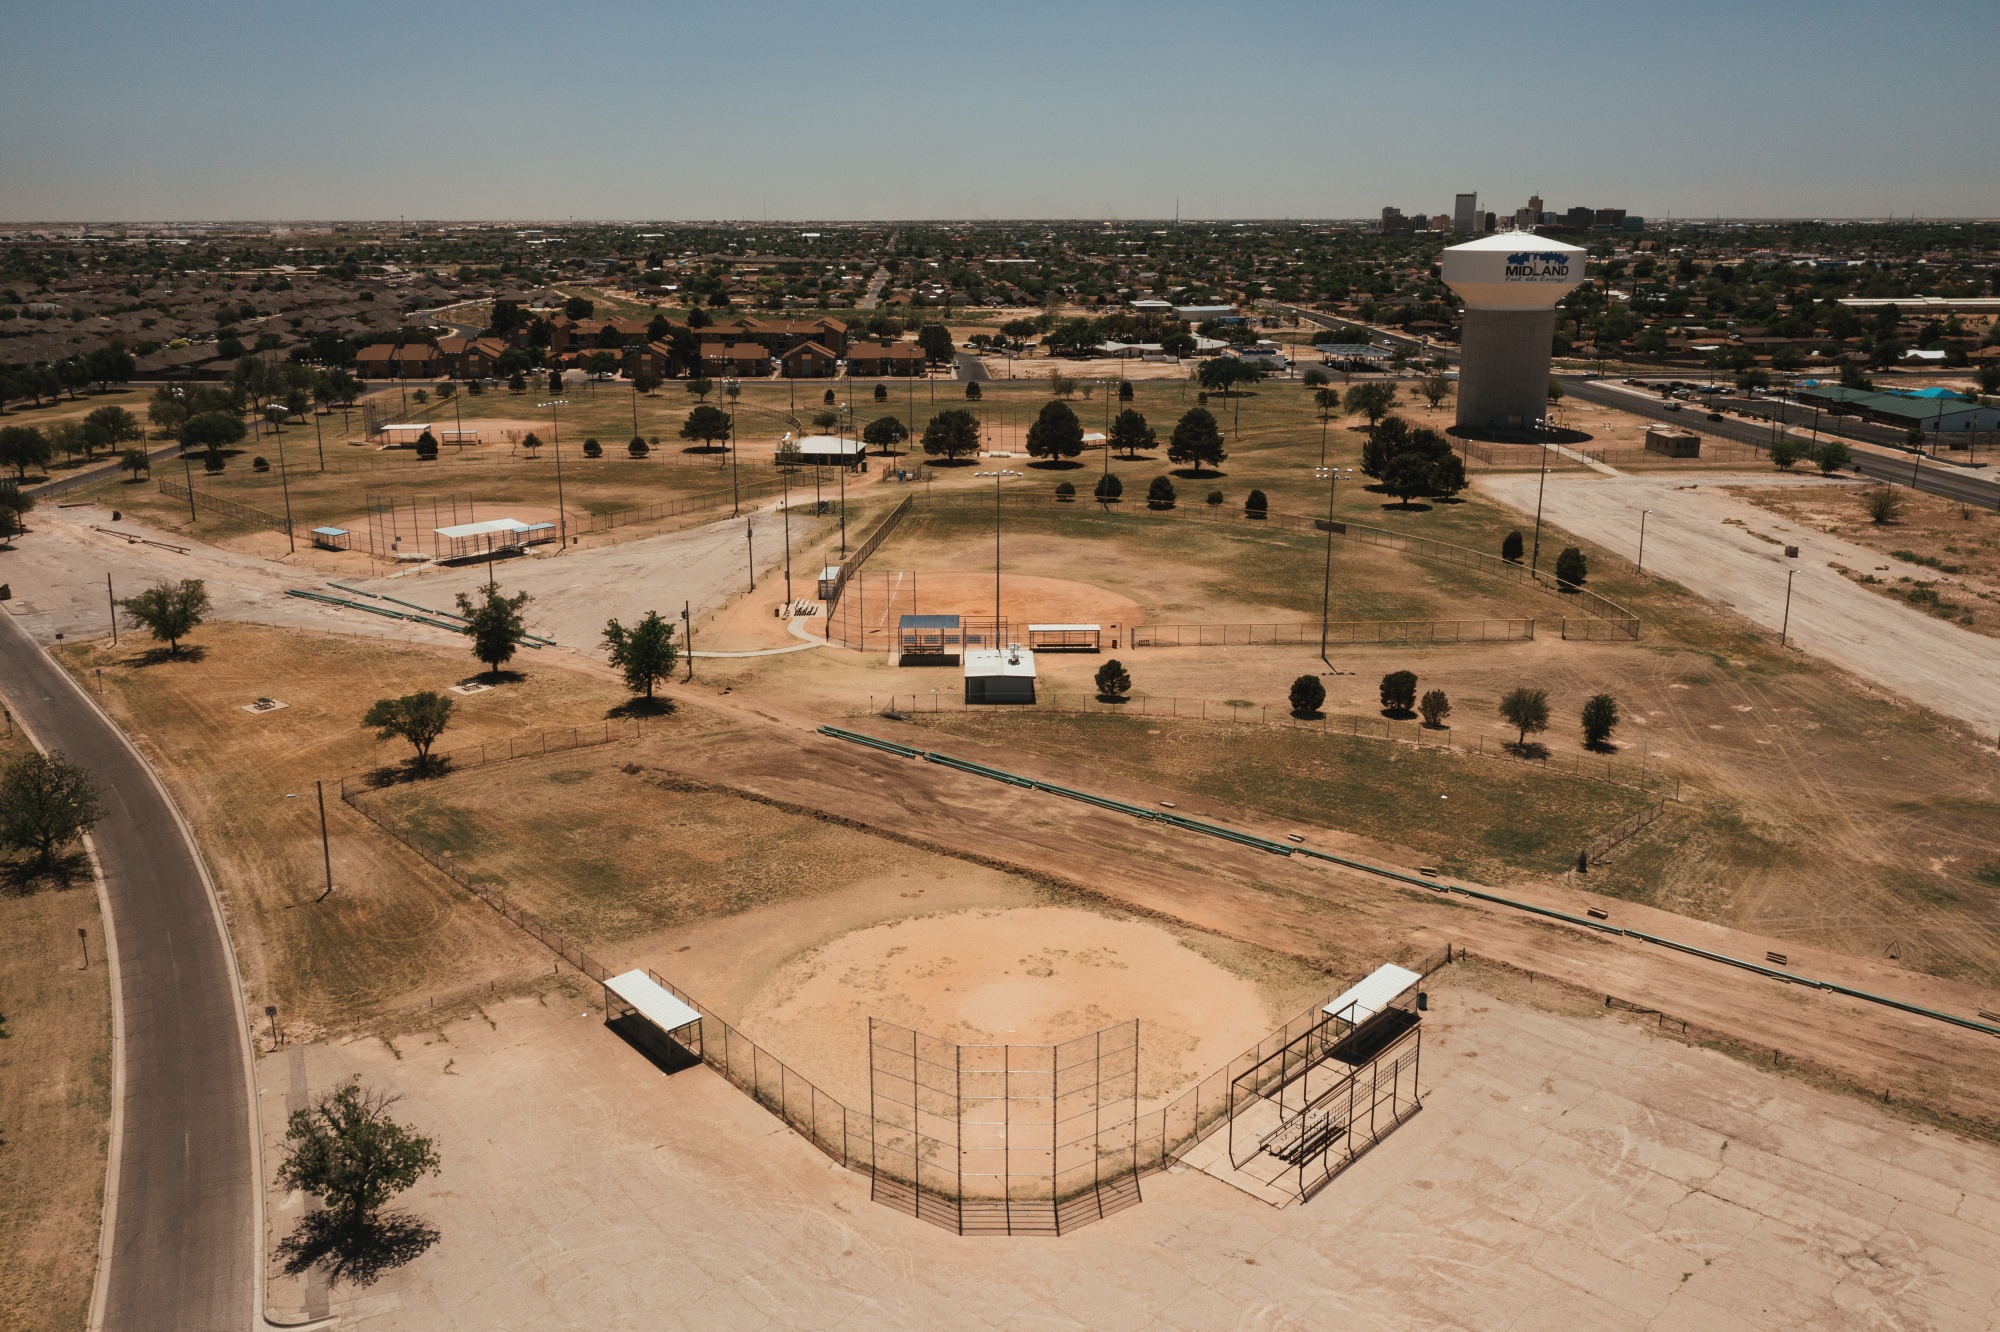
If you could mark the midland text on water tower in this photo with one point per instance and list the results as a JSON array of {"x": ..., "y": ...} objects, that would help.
[{"x": 1510, "y": 283}]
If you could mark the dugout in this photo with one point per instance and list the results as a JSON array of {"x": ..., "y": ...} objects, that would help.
[
  {"x": 332, "y": 538},
  {"x": 1066, "y": 637},
  {"x": 467, "y": 541},
  {"x": 653, "y": 1020},
  {"x": 933, "y": 640},
  {"x": 1000, "y": 675}
]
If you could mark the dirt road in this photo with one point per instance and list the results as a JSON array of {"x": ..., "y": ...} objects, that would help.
[{"x": 1734, "y": 553}]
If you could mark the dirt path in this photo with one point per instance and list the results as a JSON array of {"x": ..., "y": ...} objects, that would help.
[{"x": 1734, "y": 553}]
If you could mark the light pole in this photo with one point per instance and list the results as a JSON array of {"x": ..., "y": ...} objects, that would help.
[
  {"x": 1534, "y": 566},
  {"x": 555, "y": 443},
  {"x": 1642, "y": 539},
  {"x": 785, "y": 508},
  {"x": 1786, "y": 628},
  {"x": 731, "y": 388},
  {"x": 319, "y": 442},
  {"x": 998, "y": 477},
  {"x": 845, "y": 466},
  {"x": 1331, "y": 475},
  {"x": 285, "y": 484}
]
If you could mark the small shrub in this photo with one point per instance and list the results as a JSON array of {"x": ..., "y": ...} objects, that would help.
[
  {"x": 1160, "y": 495},
  {"x": 972, "y": 392},
  {"x": 592, "y": 449},
  {"x": 260, "y": 464},
  {"x": 1512, "y": 547},
  {"x": 881, "y": 393},
  {"x": 1113, "y": 681},
  {"x": 1883, "y": 504},
  {"x": 211, "y": 461},
  {"x": 1066, "y": 492},
  {"x": 1256, "y": 506},
  {"x": 638, "y": 448},
  {"x": 1307, "y": 695},
  {"x": 1214, "y": 499},
  {"x": 1434, "y": 707},
  {"x": 1786, "y": 453},
  {"x": 1832, "y": 456},
  {"x": 1399, "y": 693},
  {"x": 1571, "y": 567},
  {"x": 1109, "y": 488}
]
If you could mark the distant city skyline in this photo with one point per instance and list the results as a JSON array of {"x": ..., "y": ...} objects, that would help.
[{"x": 130, "y": 112}]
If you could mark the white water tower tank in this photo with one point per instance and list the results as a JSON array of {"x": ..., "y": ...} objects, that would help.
[{"x": 1510, "y": 283}]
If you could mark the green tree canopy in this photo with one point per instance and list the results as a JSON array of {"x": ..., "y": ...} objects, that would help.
[
  {"x": 952, "y": 433},
  {"x": 1399, "y": 692},
  {"x": 706, "y": 425},
  {"x": 1306, "y": 696},
  {"x": 46, "y": 802},
  {"x": 1113, "y": 681},
  {"x": 495, "y": 625},
  {"x": 211, "y": 430},
  {"x": 1130, "y": 432},
  {"x": 1600, "y": 718},
  {"x": 1434, "y": 707},
  {"x": 419, "y": 718},
  {"x": 1527, "y": 710},
  {"x": 170, "y": 610},
  {"x": 645, "y": 653},
  {"x": 22, "y": 447},
  {"x": 345, "y": 1150},
  {"x": 884, "y": 432},
  {"x": 1372, "y": 400},
  {"x": 1056, "y": 433},
  {"x": 1571, "y": 567},
  {"x": 1109, "y": 488},
  {"x": 1196, "y": 440},
  {"x": 1160, "y": 495}
]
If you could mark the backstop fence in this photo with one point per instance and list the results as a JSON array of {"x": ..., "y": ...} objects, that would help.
[{"x": 859, "y": 555}]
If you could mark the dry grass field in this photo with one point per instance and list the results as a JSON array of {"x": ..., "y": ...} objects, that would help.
[
  {"x": 798, "y": 930},
  {"x": 388, "y": 942},
  {"x": 55, "y": 1095}
]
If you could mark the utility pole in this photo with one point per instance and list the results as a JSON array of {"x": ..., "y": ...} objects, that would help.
[
  {"x": 112, "y": 597},
  {"x": 187, "y": 476},
  {"x": 730, "y": 389},
  {"x": 1642, "y": 539},
  {"x": 555, "y": 443},
  {"x": 1786, "y": 628},
  {"x": 687, "y": 635},
  {"x": 785, "y": 508},
  {"x": 1535, "y": 565},
  {"x": 750, "y": 544},
  {"x": 1331, "y": 475},
  {"x": 998, "y": 477},
  {"x": 285, "y": 484},
  {"x": 319, "y": 442}
]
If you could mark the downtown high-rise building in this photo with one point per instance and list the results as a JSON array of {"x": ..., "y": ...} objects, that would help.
[{"x": 1465, "y": 217}]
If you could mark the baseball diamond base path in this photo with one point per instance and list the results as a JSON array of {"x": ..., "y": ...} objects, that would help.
[
  {"x": 183, "y": 1250},
  {"x": 1707, "y": 541}
]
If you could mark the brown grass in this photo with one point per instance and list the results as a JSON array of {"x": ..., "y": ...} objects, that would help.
[{"x": 55, "y": 1100}]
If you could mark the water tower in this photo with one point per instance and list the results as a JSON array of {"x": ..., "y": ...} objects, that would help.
[{"x": 1510, "y": 283}]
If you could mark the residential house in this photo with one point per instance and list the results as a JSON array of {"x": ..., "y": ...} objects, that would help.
[
  {"x": 809, "y": 360},
  {"x": 739, "y": 360},
  {"x": 880, "y": 360}
]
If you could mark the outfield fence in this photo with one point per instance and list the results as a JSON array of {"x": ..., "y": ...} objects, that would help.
[
  {"x": 215, "y": 504},
  {"x": 1346, "y": 632},
  {"x": 1620, "y": 622}
]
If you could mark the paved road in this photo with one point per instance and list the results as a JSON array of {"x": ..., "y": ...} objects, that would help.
[
  {"x": 971, "y": 369},
  {"x": 1707, "y": 540},
  {"x": 183, "y": 1241},
  {"x": 1902, "y": 469},
  {"x": 90, "y": 476}
]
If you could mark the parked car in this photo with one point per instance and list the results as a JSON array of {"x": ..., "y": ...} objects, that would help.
[
  {"x": 1715, "y": 416},
  {"x": 1673, "y": 406}
]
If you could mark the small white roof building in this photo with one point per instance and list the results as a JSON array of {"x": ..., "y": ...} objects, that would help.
[
  {"x": 999, "y": 675},
  {"x": 1376, "y": 992}
]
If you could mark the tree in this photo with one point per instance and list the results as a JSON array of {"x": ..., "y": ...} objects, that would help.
[
  {"x": 1255, "y": 505},
  {"x": 579, "y": 307},
  {"x": 1315, "y": 378},
  {"x": 881, "y": 393},
  {"x": 108, "y": 427},
  {"x": 972, "y": 392},
  {"x": 1752, "y": 379},
  {"x": 935, "y": 339},
  {"x": 1600, "y": 719},
  {"x": 637, "y": 447},
  {"x": 646, "y": 381},
  {"x": 1160, "y": 495},
  {"x": 1061, "y": 385},
  {"x": 1214, "y": 500},
  {"x": 346, "y": 1151},
  {"x": 1178, "y": 343},
  {"x": 884, "y": 432},
  {"x": 1125, "y": 391},
  {"x": 706, "y": 425},
  {"x": 1511, "y": 547},
  {"x": 1555, "y": 390},
  {"x": 1056, "y": 433},
  {"x": 1196, "y": 440},
  {"x": 1399, "y": 693},
  {"x": 1066, "y": 492},
  {"x": 1307, "y": 694},
  {"x": 555, "y": 382},
  {"x": 22, "y": 447},
  {"x": 1109, "y": 488},
  {"x": 701, "y": 388},
  {"x": 419, "y": 718},
  {"x": 210, "y": 430},
  {"x": 1832, "y": 455},
  {"x": 1785, "y": 453},
  {"x": 950, "y": 433},
  {"x": 170, "y": 611},
  {"x": 1221, "y": 374},
  {"x": 495, "y": 626},
  {"x": 1372, "y": 400},
  {"x": 646, "y": 652},
  {"x": 1571, "y": 567},
  {"x": 1435, "y": 388},
  {"x": 1853, "y": 376},
  {"x": 1113, "y": 681},
  {"x": 1882, "y": 503},
  {"x": 165, "y": 409},
  {"x": 15, "y": 505},
  {"x": 1130, "y": 432},
  {"x": 1434, "y": 707},
  {"x": 427, "y": 446},
  {"x": 46, "y": 802},
  {"x": 1526, "y": 709}
]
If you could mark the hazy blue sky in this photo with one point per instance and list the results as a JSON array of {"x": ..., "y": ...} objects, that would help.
[{"x": 858, "y": 110}]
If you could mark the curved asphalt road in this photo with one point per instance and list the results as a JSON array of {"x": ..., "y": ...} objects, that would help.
[{"x": 183, "y": 1242}]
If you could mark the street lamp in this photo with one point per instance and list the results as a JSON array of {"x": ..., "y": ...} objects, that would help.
[
  {"x": 998, "y": 477},
  {"x": 1332, "y": 476},
  {"x": 555, "y": 443},
  {"x": 731, "y": 388}
]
